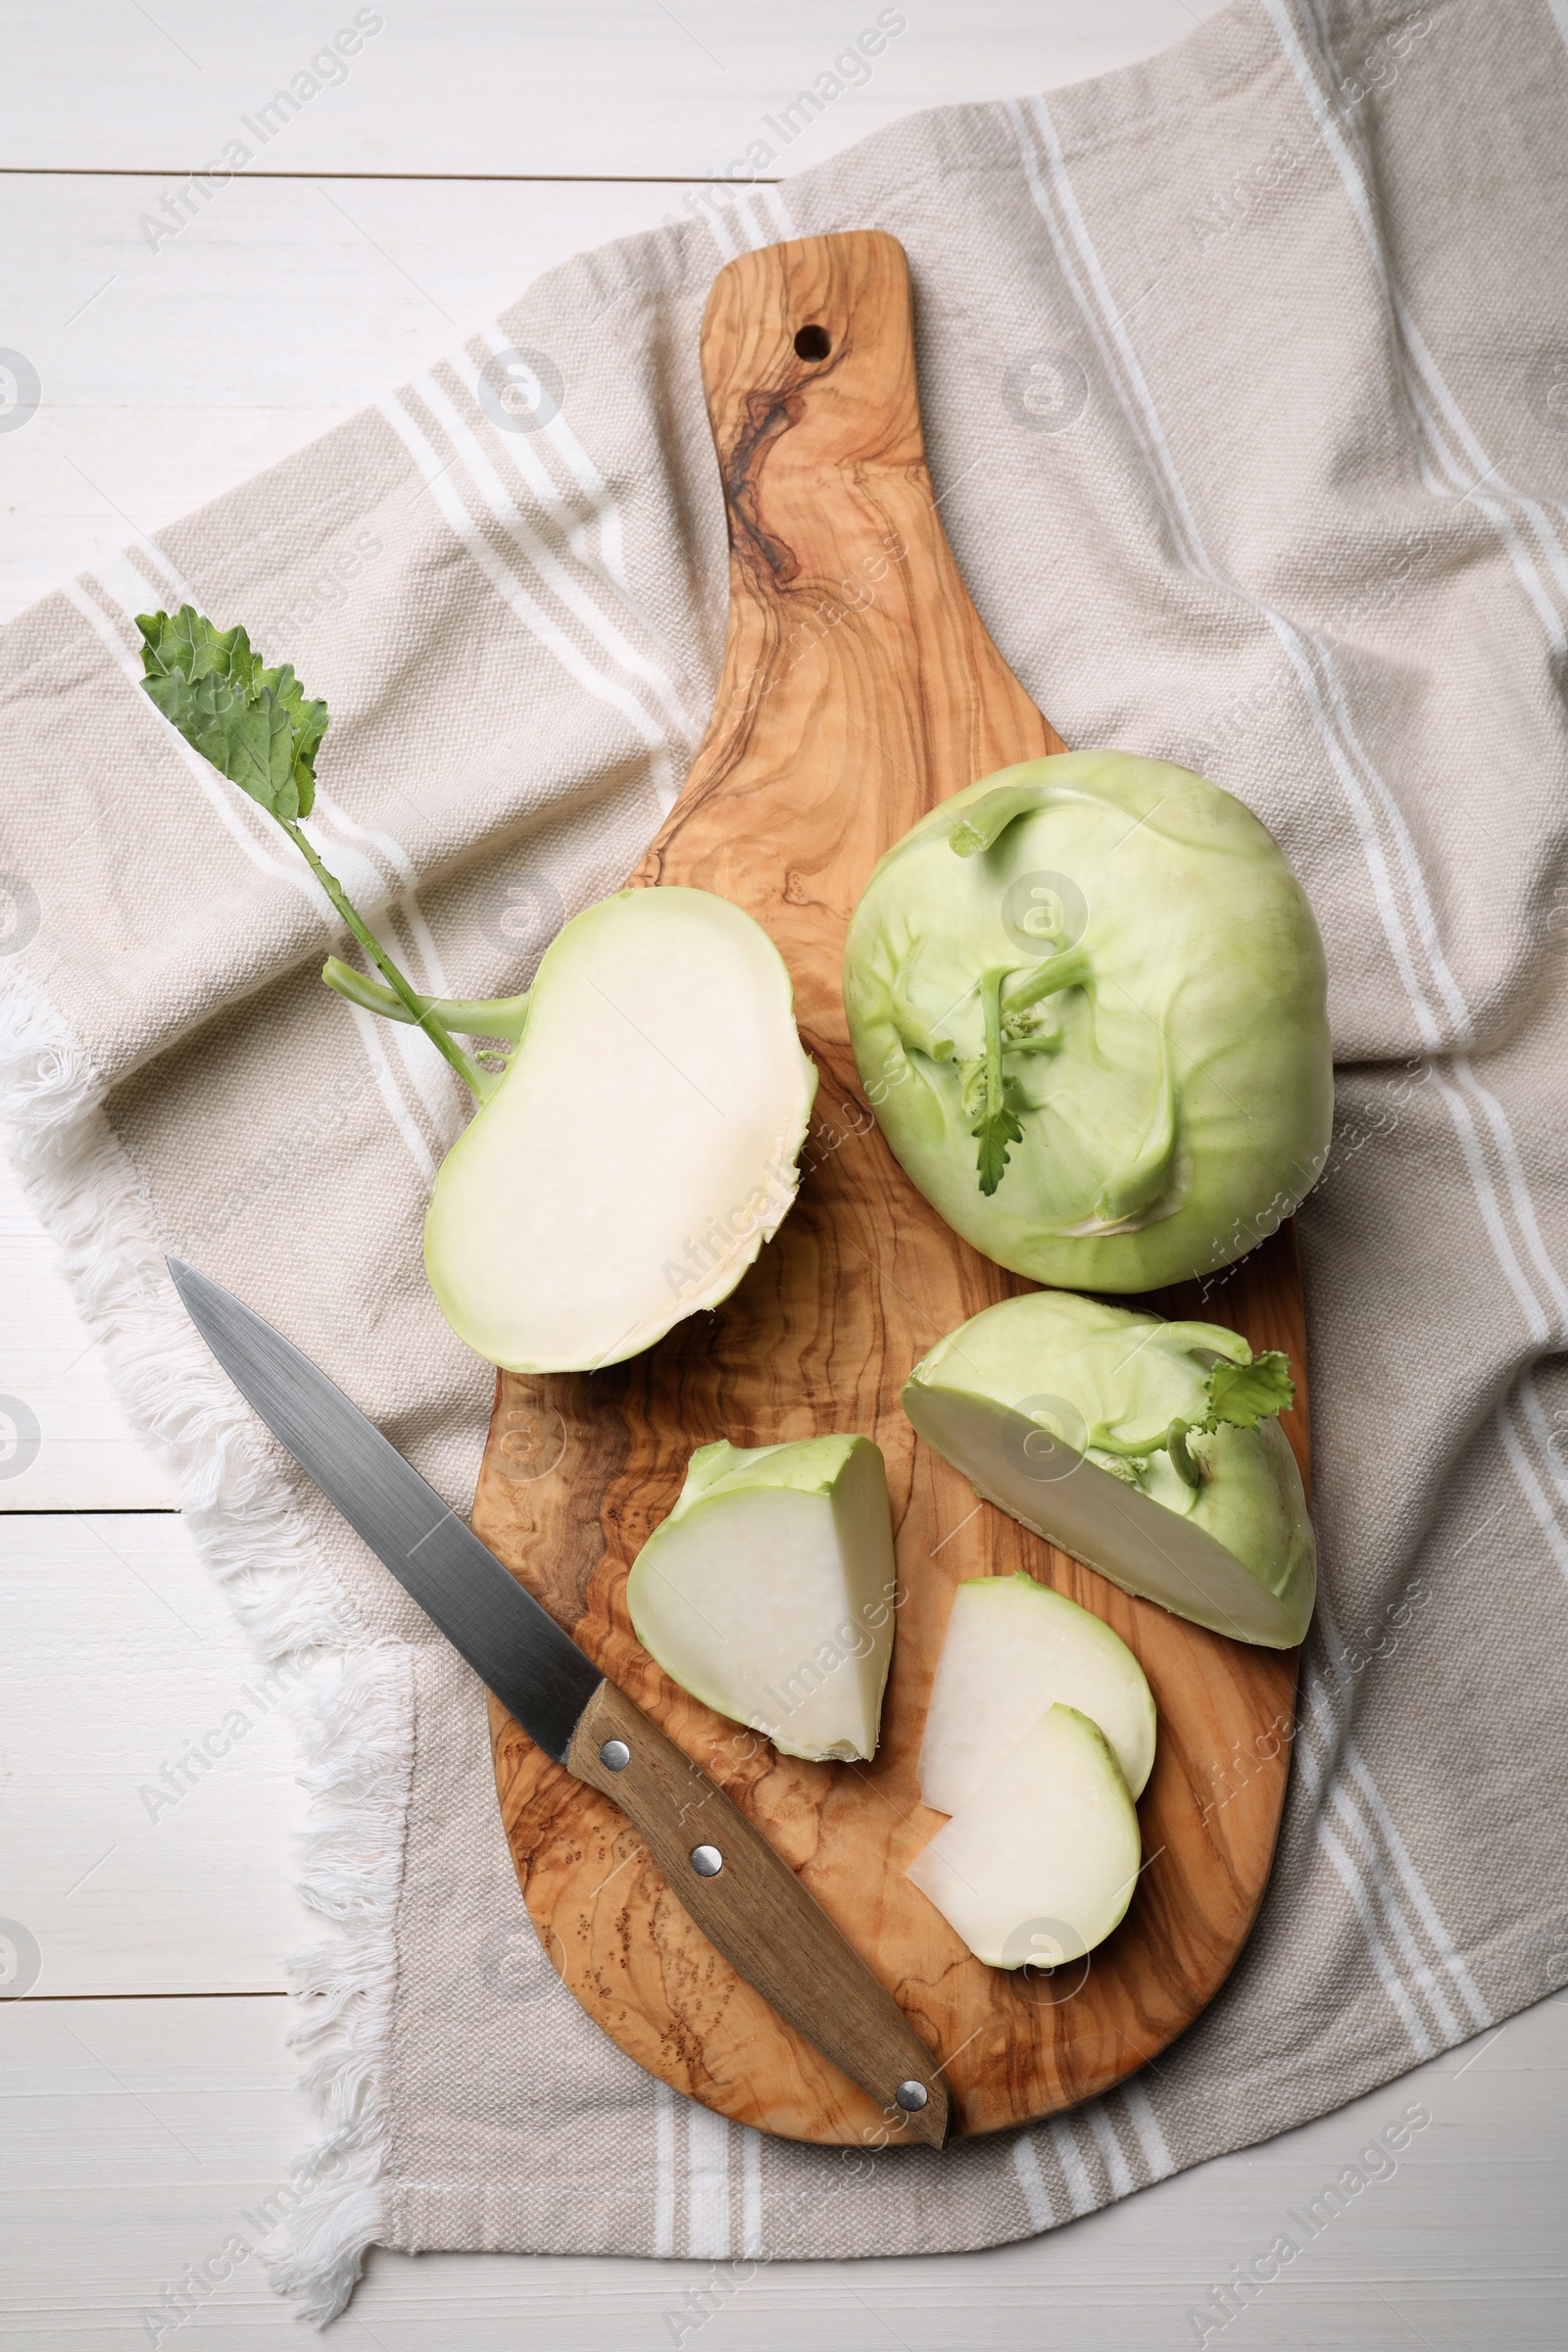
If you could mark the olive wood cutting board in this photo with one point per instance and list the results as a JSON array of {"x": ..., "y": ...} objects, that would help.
[{"x": 859, "y": 686}]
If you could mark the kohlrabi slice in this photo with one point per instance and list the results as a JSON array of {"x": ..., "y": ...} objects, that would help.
[
  {"x": 1013, "y": 1648},
  {"x": 1040, "y": 1862},
  {"x": 769, "y": 1592},
  {"x": 1149, "y": 1449},
  {"x": 638, "y": 1147},
  {"x": 1087, "y": 999},
  {"x": 641, "y": 1147}
]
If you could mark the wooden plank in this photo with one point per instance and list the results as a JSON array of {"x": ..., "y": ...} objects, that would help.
[
  {"x": 64, "y": 1442},
  {"x": 148, "y": 1798},
  {"x": 138, "y": 2138},
  {"x": 608, "y": 89},
  {"x": 859, "y": 690}
]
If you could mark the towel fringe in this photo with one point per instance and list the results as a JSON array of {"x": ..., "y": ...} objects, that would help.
[
  {"x": 358, "y": 1758},
  {"x": 356, "y": 1735}
]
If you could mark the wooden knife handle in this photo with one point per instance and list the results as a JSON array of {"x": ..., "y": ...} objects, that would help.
[{"x": 753, "y": 1910}]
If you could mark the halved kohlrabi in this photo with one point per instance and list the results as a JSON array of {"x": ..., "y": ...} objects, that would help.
[
  {"x": 1013, "y": 1648},
  {"x": 1039, "y": 1865},
  {"x": 769, "y": 1592},
  {"x": 1087, "y": 999},
  {"x": 1149, "y": 1449},
  {"x": 640, "y": 1149},
  {"x": 627, "y": 1163}
]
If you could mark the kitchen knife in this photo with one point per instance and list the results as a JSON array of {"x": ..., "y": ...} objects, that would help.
[{"x": 743, "y": 1895}]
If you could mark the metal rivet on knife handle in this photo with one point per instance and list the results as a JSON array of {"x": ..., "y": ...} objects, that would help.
[
  {"x": 742, "y": 1894},
  {"x": 614, "y": 1756}
]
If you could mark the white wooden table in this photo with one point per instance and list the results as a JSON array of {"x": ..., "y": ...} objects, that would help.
[{"x": 148, "y": 2100}]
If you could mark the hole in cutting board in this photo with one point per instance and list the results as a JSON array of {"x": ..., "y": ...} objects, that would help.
[{"x": 812, "y": 342}]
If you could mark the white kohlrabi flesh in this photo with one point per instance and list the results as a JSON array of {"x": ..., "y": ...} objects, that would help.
[
  {"x": 769, "y": 1592},
  {"x": 1040, "y": 1864},
  {"x": 1013, "y": 1648},
  {"x": 1149, "y": 1449},
  {"x": 641, "y": 1147},
  {"x": 1087, "y": 997}
]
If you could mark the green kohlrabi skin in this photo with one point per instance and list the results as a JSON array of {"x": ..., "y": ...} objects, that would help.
[
  {"x": 1060, "y": 1409},
  {"x": 1105, "y": 965}
]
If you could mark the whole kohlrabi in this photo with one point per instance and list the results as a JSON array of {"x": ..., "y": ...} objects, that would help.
[{"x": 1087, "y": 996}]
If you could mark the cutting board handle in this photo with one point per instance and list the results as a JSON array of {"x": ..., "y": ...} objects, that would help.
[
  {"x": 841, "y": 576},
  {"x": 808, "y": 366}
]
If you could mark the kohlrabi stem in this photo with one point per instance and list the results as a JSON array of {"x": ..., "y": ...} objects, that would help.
[
  {"x": 467, "y": 1070},
  {"x": 1069, "y": 968},
  {"x": 1172, "y": 1440},
  {"x": 1181, "y": 1461},
  {"x": 1125, "y": 1449},
  {"x": 474, "y": 1016},
  {"x": 988, "y": 817},
  {"x": 991, "y": 1000}
]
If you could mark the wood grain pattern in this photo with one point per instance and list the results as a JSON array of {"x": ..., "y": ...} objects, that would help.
[
  {"x": 859, "y": 688},
  {"x": 761, "y": 1919}
]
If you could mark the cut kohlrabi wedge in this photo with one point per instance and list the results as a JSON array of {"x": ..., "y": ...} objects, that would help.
[
  {"x": 1013, "y": 1648},
  {"x": 769, "y": 1592},
  {"x": 641, "y": 1147},
  {"x": 1041, "y": 1863},
  {"x": 1149, "y": 1449}
]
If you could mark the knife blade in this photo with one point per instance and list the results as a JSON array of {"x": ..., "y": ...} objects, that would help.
[{"x": 740, "y": 1894}]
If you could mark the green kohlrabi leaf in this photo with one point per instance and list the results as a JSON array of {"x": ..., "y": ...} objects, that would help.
[
  {"x": 997, "y": 1127},
  {"x": 254, "y": 725},
  {"x": 249, "y": 741},
  {"x": 996, "y": 1131},
  {"x": 308, "y": 721},
  {"x": 259, "y": 728},
  {"x": 1246, "y": 1393},
  {"x": 186, "y": 642}
]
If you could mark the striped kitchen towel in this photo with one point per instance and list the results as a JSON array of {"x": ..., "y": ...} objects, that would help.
[{"x": 1246, "y": 390}]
